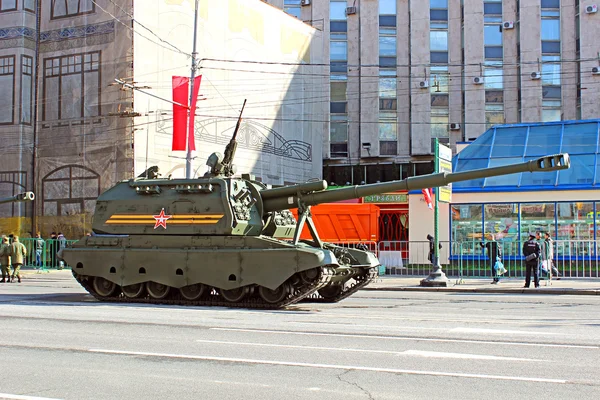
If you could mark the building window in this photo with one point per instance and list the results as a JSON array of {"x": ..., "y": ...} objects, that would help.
[
  {"x": 551, "y": 29},
  {"x": 492, "y": 37},
  {"x": 494, "y": 115},
  {"x": 550, "y": 70},
  {"x": 387, "y": 7},
  {"x": 551, "y": 110},
  {"x": 71, "y": 86},
  {"x": 338, "y": 136},
  {"x": 492, "y": 7},
  {"x": 71, "y": 8},
  {"x": 8, "y": 5},
  {"x": 29, "y": 5},
  {"x": 26, "y": 89},
  {"x": 438, "y": 14},
  {"x": 387, "y": 42},
  {"x": 439, "y": 78},
  {"x": 438, "y": 44},
  {"x": 337, "y": 10},
  {"x": 387, "y": 83},
  {"x": 493, "y": 75},
  {"x": 388, "y": 133},
  {"x": 439, "y": 122},
  {"x": 292, "y": 7},
  {"x": 7, "y": 88}
]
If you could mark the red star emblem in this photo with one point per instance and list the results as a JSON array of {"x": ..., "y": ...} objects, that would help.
[{"x": 161, "y": 219}]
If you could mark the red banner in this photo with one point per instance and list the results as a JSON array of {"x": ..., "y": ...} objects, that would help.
[
  {"x": 191, "y": 137},
  {"x": 180, "y": 95},
  {"x": 427, "y": 197}
]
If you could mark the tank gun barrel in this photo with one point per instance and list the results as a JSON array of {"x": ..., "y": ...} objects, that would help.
[
  {"x": 26, "y": 196},
  {"x": 288, "y": 200}
]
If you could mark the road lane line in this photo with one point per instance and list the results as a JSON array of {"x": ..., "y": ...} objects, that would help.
[
  {"x": 19, "y": 397},
  {"x": 566, "y": 346},
  {"x": 499, "y": 331},
  {"x": 328, "y": 366},
  {"x": 397, "y": 353}
]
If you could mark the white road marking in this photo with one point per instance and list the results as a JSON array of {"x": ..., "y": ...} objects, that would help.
[
  {"x": 566, "y": 346},
  {"x": 5, "y": 396},
  {"x": 396, "y": 353},
  {"x": 329, "y": 366},
  {"x": 499, "y": 331}
]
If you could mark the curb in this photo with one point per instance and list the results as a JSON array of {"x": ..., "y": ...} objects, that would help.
[{"x": 590, "y": 292}]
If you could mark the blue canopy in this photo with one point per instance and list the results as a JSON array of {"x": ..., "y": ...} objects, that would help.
[{"x": 508, "y": 144}]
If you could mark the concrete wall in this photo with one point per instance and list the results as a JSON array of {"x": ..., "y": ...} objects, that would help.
[
  {"x": 590, "y": 47},
  {"x": 249, "y": 50},
  {"x": 474, "y": 94},
  {"x": 531, "y": 54},
  {"x": 568, "y": 71},
  {"x": 510, "y": 39}
]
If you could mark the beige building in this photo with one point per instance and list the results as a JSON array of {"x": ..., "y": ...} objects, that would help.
[
  {"x": 69, "y": 132},
  {"x": 405, "y": 71}
]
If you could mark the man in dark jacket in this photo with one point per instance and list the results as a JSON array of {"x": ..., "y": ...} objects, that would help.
[
  {"x": 493, "y": 251},
  {"x": 431, "y": 256},
  {"x": 531, "y": 247}
]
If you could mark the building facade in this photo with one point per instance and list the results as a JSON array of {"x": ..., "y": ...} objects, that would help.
[
  {"x": 68, "y": 131},
  {"x": 405, "y": 71}
]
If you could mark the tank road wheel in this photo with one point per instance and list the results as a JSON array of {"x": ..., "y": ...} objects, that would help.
[
  {"x": 104, "y": 287},
  {"x": 157, "y": 290},
  {"x": 192, "y": 292},
  {"x": 133, "y": 291},
  {"x": 276, "y": 295},
  {"x": 235, "y": 295},
  {"x": 309, "y": 275},
  {"x": 329, "y": 292}
]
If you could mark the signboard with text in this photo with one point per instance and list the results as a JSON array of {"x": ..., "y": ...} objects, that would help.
[
  {"x": 445, "y": 165},
  {"x": 386, "y": 198}
]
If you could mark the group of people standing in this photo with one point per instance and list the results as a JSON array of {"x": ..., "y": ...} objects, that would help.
[
  {"x": 538, "y": 253},
  {"x": 13, "y": 254}
]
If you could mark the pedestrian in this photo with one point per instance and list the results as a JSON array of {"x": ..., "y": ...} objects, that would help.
[
  {"x": 531, "y": 252},
  {"x": 18, "y": 252},
  {"x": 62, "y": 243},
  {"x": 5, "y": 259},
  {"x": 431, "y": 257},
  {"x": 494, "y": 252},
  {"x": 40, "y": 245},
  {"x": 547, "y": 256}
]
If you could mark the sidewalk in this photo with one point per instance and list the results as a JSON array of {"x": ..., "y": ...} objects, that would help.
[{"x": 573, "y": 286}]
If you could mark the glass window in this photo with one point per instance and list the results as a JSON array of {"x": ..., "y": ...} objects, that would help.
[
  {"x": 504, "y": 180},
  {"x": 490, "y": 8},
  {"x": 438, "y": 3},
  {"x": 538, "y": 178},
  {"x": 387, "y": 7},
  {"x": 550, "y": 29},
  {"x": 551, "y": 70},
  {"x": 501, "y": 220},
  {"x": 292, "y": 7},
  {"x": 581, "y": 172},
  {"x": 538, "y": 217},
  {"x": 573, "y": 225},
  {"x": 438, "y": 57},
  {"x": 387, "y": 46},
  {"x": 509, "y": 142},
  {"x": 388, "y": 126},
  {"x": 580, "y": 138},
  {"x": 461, "y": 165},
  {"x": 339, "y": 50},
  {"x": 493, "y": 75},
  {"x": 551, "y": 110},
  {"x": 439, "y": 123},
  {"x": 338, "y": 90},
  {"x": 337, "y": 10},
  {"x": 492, "y": 35},
  {"x": 71, "y": 8},
  {"x": 338, "y": 132},
  {"x": 543, "y": 140},
  {"x": 467, "y": 226},
  {"x": 438, "y": 40},
  {"x": 439, "y": 78},
  {"x": 494, "y": 115},
  {"x": 8, "y": 5},
  {"x": 550, "y": 3},
  {"x": 387, "y": 83}
]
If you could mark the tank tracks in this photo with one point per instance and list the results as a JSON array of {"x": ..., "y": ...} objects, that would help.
[
  {"x": 348, "y": 289},
  {"x": 213, "y": 299}
]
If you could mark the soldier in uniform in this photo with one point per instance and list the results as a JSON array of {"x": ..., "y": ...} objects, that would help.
[
  {"x": 5, "y": 259},
  {"x": 531, "y": 247},
  {"x": 18, "y": 252}
]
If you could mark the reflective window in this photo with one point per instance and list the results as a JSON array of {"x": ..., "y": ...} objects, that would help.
[
  {"x": 438, "y": 81},
  {"x": 387, "y": 83},
  {"x": 337, "y": 10},
  {"x": 338, "y": 129},
  {"x": 292, "y": 7},
  {"x": 543, "y": 140},
  {"x": 388, "y": 126},
  {"x": 551, "y": 110},
  {"x": 467, "y": 225},
  {"x": 438, "y": 40},
  {"x": 492, "y": 35},
  {"x": 580, "y": 138},
  {"x": 501, "y": 221},
  {"x": 387, "y": 7},
  {"x": 574, "y": 225},
  {"x": 504, "y": 180},
  {"x": 338, "y": 50},
  {"x": 509, "y": 142},
  {"x": 550, "y": 29},
  {"x": 551, "y": 70},
  {"x": 387, "y": 42},
  {"x": 8, "y": 5},
  {"x": 538, "y": 217},
  {"x": 494, "y": 115},
  {"x": 438, "y": 3},
  {"x": 493, "y": 75},
  {"x": 439, "y": 123}
]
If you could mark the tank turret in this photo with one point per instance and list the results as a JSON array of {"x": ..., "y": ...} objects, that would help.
[
  {"x": 26, "y": 196},
  {"x": 222, "y": 240}
]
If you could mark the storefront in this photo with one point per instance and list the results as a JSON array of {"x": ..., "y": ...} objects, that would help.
[{"x": 565, "y": 203}]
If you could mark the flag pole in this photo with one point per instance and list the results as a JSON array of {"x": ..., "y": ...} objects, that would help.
[{"x": 190, "y": 128}]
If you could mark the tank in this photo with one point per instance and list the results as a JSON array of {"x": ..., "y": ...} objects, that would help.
[
  {"x": 222, "y": 240},
  {"x": 26, "y": 196}
]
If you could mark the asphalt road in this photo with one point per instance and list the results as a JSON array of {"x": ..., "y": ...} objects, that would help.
[{"x": 58, "y": 343}]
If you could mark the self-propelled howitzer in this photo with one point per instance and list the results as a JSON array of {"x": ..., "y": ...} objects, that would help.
[{"x": 232, "y": 241}]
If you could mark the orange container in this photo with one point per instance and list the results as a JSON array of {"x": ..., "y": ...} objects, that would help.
[{"x": 343, "y": 222}]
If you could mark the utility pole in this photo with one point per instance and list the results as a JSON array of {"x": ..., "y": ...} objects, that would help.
[{"x": 190, "y": 127}]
